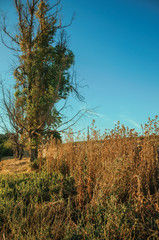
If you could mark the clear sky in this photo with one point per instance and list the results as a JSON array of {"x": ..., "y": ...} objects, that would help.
[{"x": 116, "y": 47}]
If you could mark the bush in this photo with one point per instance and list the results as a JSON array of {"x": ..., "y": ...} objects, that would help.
[{"x": 5, "y": 149}]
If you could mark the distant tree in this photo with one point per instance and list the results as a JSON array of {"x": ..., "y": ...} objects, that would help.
[
  {"x": 42, "y": 75},
  {"x": 5, "y": 147},
  {"x": 9, "y": 124}
]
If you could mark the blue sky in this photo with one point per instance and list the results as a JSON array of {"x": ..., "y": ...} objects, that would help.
[{"x": 116, "y": 47}]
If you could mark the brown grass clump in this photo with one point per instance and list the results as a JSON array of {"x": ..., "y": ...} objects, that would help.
[
  {"x": 118, "y": 162},
  {"x": 11, "y": 166}
]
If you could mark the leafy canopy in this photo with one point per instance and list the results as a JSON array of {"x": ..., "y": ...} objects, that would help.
[{"x": 42, "y": 77}]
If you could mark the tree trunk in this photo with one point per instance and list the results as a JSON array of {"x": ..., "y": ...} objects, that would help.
[
  {"x": 16, "y": 151},
  {"x": 21, "y": 151},
  {"x": 33, "y": 147},
  {"x": 33, "y": 154}
]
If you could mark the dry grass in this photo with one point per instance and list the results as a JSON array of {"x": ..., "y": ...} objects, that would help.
[
  {"x": 12, "y": 166},
  {"x": 117, "y": 175},
  {"x": 118, "y": 162}
]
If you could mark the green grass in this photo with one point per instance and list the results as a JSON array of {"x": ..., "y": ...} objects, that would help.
[
  {"x": 31, "y": 204},
  {"x": 43, "y": 206}
]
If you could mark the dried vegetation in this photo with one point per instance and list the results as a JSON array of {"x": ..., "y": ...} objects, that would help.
[
  {"x": 120, "y": 168},
  {"x": 101, "y": 186}
]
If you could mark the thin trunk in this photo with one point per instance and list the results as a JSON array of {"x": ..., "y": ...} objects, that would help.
[
  {"x": 17, "y": 151},
  {"x": 33, "y": 148},
  {"x": 21, "y": 152},
  {"x": 33, "y": 154}
]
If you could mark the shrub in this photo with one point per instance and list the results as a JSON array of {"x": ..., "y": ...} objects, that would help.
[{"x": 5, "y": 147}]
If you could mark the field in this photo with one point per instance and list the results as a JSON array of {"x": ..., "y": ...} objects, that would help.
[{"x": 101, "y": 186}]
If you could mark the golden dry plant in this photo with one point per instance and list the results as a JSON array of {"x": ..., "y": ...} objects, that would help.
[{"x": 119, "y": 162}]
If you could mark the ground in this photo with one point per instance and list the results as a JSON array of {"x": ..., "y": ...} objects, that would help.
[{"x": 11, "y": 166}]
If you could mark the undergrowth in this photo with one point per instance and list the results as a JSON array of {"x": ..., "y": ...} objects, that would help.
[
  {"x": 104, "y": 186},
  {"x": 34, "y": 206}
]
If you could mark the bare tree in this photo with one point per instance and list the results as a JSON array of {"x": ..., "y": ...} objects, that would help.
[{"x": 8, "y": 123}]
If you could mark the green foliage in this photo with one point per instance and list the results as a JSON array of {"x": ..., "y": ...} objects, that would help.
[
  {"x": 5, "y": 146},
  {"x": 35, "y": 187},
  {"x": 42, "y": 77},
  {"x": 30, "y": 204}
]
